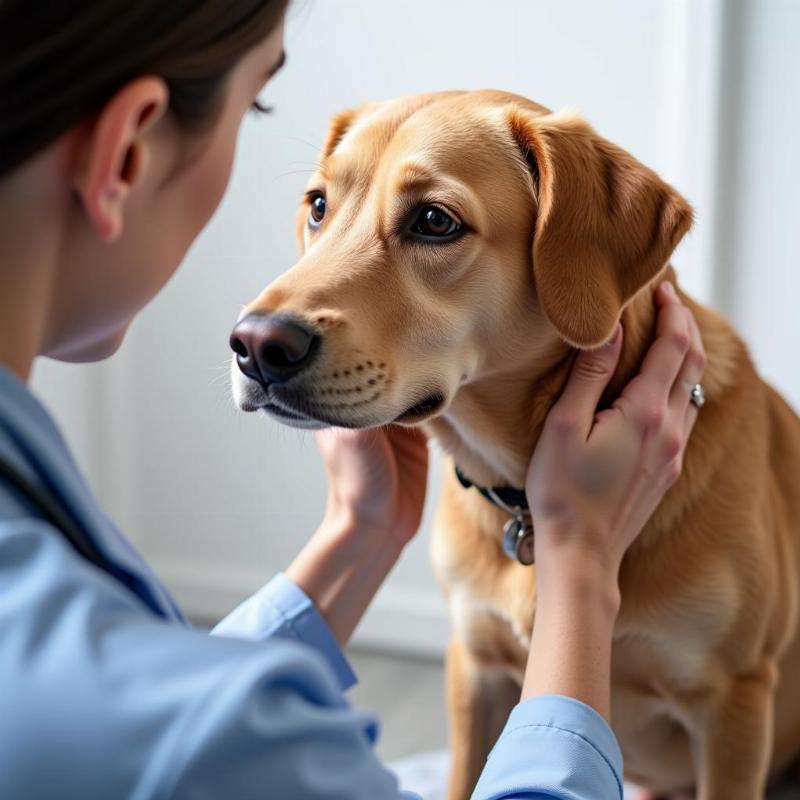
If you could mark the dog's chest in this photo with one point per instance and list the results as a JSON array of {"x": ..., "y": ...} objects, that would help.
[
  {"x": 493, "y": 634},
  {"x": 495, "y": 623},
  {"x": 492, "y": 606},
  {"x": 489, "y": 598}
]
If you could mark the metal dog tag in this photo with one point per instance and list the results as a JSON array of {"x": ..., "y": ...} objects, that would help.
[{"x": 518, "y": 540}]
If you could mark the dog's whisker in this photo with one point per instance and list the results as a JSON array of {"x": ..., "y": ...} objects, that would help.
[
  {"x": 294, "y": 172},
  {"x": 223, "y": 373},
  {"x": 300, "y": 139}
]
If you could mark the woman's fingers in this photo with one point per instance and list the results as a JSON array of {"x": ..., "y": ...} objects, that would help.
[
  {"x": 575, "y": 410},
  {"x": 646, "y": 398},
  {"x": 661, "y": 395},
  {"x": 673, "y": 339},
  {"x": 658, "y": 399},
  {"x": 682, "y": 412},
  {"x": 690, "y": 373},
  {"x": 691, "y": 412}
]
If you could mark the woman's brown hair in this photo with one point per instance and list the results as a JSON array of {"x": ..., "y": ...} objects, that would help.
[{"x": 61, "y": 60}]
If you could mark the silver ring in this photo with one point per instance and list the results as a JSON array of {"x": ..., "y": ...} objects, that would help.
[{"x": 698, "y": 396}]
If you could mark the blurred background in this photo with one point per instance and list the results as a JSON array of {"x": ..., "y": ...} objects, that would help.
[{"x": 707, "y": 92}]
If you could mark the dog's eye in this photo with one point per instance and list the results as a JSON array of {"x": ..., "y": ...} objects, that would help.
[
  {"x": 435, "y": 223},
  {"x": 317, "y": 212}
]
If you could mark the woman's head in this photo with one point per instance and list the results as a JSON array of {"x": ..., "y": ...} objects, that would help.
[
  {"x": 62, "y": 61},
  {"x": 118, "y": 121}
]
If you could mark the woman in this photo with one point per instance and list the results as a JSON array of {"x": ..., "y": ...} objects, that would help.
[{"x": 118, "y": 123}]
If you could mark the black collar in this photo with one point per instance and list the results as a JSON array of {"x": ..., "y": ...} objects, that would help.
[
  {"x": 511, "y": 499},
  {"x": 517, "y": 540}
]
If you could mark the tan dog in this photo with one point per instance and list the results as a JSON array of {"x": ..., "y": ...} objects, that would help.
[{"x": 457, "y": 248}]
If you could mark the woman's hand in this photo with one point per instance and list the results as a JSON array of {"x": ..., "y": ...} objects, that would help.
[
  {"x": 376, "y": 479},
  {"x": 593, "y": 483},
  {"x": 596, "y": 478}
]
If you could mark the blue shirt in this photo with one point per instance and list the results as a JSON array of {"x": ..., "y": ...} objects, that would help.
[{"x": 107, "y": 692}]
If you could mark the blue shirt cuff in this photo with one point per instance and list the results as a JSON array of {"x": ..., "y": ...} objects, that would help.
[
  {"x": 556, "y": 746},
  {"x": 282, "y": 608}
]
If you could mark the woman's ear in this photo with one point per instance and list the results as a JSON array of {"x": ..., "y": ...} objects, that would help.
[
  {"x": 115, "y": 156},
  {"x": 606, "y": 224}
]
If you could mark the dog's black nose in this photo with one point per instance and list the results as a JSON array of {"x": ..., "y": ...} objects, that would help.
[{"x": 271, "y": 348}]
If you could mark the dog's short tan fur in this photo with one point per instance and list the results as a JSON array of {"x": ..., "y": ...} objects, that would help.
[{"x": 568, "y": 233}]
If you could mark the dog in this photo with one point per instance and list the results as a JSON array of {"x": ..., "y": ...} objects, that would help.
[{"x": 458, "y": 249}]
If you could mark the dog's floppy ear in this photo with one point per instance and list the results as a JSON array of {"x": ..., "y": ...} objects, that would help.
[
  {"x": 337, "y": 129},
  {"x": 605, "y": 224},
  {"x": 341, "y": 123}
]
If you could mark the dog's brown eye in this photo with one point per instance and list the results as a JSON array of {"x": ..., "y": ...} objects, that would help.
[
  {"x": 317, "y": 212},
  {"x": 435, "y": 223}
]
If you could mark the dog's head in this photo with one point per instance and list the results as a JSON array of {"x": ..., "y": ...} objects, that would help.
[{"x": 447, "y": 238}]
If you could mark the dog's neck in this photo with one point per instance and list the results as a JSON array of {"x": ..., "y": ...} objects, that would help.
[{"x": 494, "y": 423}]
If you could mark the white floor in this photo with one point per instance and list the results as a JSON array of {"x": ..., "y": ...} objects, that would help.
[{"x": 407, "y": 696}]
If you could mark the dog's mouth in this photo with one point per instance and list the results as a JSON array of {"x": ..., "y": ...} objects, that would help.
[
  {"x": 295, "y": 419},
  {"x": 424, "y": 408},
  {"x": 298, "y": 409}
]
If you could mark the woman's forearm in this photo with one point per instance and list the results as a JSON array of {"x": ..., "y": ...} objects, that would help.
[
  {"x": 341, "y": 568},
  {"x": 570, "y": 652}
]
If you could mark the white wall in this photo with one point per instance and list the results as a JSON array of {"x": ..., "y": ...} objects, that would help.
[
  {"x": 758, "y": 209},
  {"x": 704, "y": 91}
]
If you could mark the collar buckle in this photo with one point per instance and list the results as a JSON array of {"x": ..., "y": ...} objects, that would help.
[
  {"x": 518, "y": 531},
  {"x": 518, "y": 539}
]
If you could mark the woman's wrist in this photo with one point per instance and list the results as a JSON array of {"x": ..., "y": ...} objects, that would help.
[
  {"x": 571, "y": 643},
  {"x": 577, "y": 602},
  {"x": 578, "y": 578},
  {"x": 344, "y": 525},
  {"x": 342, "y": 566},
  {"x": 570, "y": 651}
]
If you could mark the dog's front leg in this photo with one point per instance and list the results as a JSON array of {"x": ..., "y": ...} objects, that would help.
[
  {"x": 734, "y": 749},
  {"x": 479, "y": 699}
]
